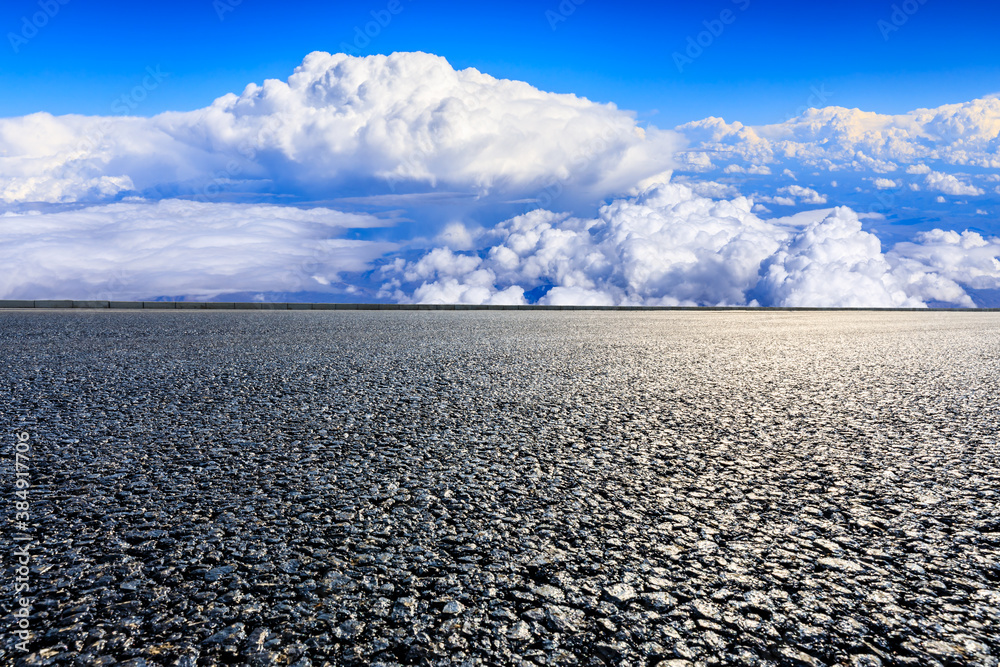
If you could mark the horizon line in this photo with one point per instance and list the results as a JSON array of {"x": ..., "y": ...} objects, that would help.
[{"x": 70, "y": 304}]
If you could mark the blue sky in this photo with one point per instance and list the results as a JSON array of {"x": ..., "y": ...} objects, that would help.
[
  {"x": 413, "y": 178},
  {"x": 762, "y": 67}
]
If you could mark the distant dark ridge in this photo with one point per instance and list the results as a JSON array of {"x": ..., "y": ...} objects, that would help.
[{"x": 236, "y": 305}]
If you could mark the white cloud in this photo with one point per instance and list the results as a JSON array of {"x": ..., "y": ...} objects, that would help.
[
  {"x": 712, "y": 189},
  {"x": 950, "y": 185},
  {"x": 457, "y": 236},
  {"x": 884, "y": 183},
  {"x": 477, "y": 288},
  {"x": 959, "y": 134},
  {"x": 832, "y": 263},
  {"x": 576, "y": 296},
  {"x": 405, "y": 120},
  {"x": 805, "y": 195},
  {"x": 849, "y": 141},
  {"x": 442, "y": 262},
  {"x": 780, "y": 201},
  {"x": 695, "y": 161},
  {"x": 669, "y": 246},
  {"x": 786, "y": 196},
  {"x": 142, "y": 250},
  {"x": 940, "y": 262},
  {"x": 665, "y": 246},
  {"x": 965, "y": 257}
]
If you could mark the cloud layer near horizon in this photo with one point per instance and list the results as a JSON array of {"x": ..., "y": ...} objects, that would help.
[
  {"x": 144, "y": 250},
  {"x": 664, "y": 246},
  {"x": 669, "y": 246}
]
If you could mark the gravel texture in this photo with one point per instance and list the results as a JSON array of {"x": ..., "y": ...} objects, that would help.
[{"x": 674, "y": 489}]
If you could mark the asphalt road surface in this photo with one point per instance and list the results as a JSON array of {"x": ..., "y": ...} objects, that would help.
[{"x": 550, "y": 488}]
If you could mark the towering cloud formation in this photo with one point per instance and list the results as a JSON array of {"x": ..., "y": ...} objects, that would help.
[{"x": 342, "y": 125}]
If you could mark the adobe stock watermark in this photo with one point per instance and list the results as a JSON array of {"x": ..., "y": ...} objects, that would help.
[
  {"x": 565, "y": 9},
  {"x": 223, "y": 7},
  {"x": 818, "y": 97},
  {"x": 248, "y": 149},
  {"x": 554, "y": 188},
  {"x": 412, "y": 165},
  {"x": 901, "y": 13},
  {"x": 123, "y": 105},
  {"x": 363, "y": 35},
  {"x": 21, "y": 538},
  {"x": 31, "y": 25},
  {"x": 112, "y": 287},
  {"x": 132, "y": 99},
  {"x": 697, "y": 44}
]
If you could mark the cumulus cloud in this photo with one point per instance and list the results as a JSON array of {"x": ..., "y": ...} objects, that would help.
[
  {"x": 805, "y": 195},
  {"x": 457, "y": 236},
  {"x": 757, "y": 169},
  {"x": 143, "y": 250},
  {"x": 670, "y": 246},
  {"x": 950, "y": 185},
  {"x": 792, "y": 195},
  {"x": 959, "y": 134},
  {"x": 857, "y": 148},
  {"x": 408, "y": 120},
  {"x": 947, "y": 260},
  {"x": 665, "y": 246},
  {"x": 832, "y": 263},
  {"x": 713, "y": 189}
]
